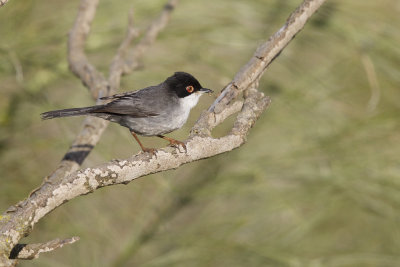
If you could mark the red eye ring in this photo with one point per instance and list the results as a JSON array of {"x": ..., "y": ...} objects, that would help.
[{"x": 189, "y": 89}]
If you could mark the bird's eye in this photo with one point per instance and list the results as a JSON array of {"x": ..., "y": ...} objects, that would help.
[{"x": 189, "y": 89}]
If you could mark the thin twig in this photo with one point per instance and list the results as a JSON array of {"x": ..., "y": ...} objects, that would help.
[
  {"x": 32, "y": 251},
  {"x": 118, "y": 62},
  {"x": 19, "y": 73},
  {"x": 373, "y": 83},
  {"x": 152, "y": 32}
]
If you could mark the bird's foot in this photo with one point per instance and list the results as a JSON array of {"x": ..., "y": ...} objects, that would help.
[
  {"x": 177, "y": 144},
  {"x": 174, "y": 143},
  {"x": 149, "y": 150},
  {"x": 152, "y": 151}
]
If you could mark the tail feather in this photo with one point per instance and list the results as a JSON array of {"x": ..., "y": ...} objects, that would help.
[{"x": 68, "y": 112}]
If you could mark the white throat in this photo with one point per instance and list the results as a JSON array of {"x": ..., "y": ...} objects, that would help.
[{"x": 190, "y": 101}]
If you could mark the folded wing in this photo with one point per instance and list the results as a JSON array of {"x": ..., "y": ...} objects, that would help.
[{"x": 131, "y": 104}]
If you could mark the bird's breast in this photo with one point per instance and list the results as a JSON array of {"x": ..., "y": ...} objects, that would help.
[{"x": 167, "y": 121}]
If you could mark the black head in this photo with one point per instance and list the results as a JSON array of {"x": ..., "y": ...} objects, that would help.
[{"x": 184, "y": 84}]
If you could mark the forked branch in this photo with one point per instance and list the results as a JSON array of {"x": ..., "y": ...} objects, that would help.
[{"x": 13, "y": 223}]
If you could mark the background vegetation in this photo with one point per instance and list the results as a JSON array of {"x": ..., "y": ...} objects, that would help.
[{"x": 317, "y": 183}]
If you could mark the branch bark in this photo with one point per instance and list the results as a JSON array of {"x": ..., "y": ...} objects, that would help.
[
  {"x": 32, "y": 251},
  {"x": 20, "y": 220}
]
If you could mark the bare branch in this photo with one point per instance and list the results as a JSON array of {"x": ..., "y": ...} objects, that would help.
[
  {"x": 264, "y": 55},
  {"x": 132, "y": 60},
  {"x": 118, "y": 64},
  {"x": 32, "y": 251},
  {"x": 10, "y": 224},
  {"x": 78, "y": 62},
  {"x": 20, "y": 220},
  {"x": 92, "y": 127},
  {"x": 126, "y": 60},
  {"x": 228, "y": 111},
  {"x": 116, "y": 172}
]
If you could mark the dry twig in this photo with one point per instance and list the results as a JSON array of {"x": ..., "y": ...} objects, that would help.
[{"x": 32, "y": 251}]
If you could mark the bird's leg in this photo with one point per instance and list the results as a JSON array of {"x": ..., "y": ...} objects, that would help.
[
  {"x": 173, "y": 142},
  {"x": 145, "y": 149}
]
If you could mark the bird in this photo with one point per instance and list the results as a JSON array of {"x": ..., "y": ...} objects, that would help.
[{"x": 151, "y": 111}]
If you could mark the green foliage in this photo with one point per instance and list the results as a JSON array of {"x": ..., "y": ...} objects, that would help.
[{"x": 317, "y": 183}]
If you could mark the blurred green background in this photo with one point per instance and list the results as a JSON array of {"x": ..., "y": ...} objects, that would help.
[{"x": 317, "y": 183}]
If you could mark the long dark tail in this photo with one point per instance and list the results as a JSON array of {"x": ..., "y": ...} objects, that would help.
[{"x": 68, "y": 112}]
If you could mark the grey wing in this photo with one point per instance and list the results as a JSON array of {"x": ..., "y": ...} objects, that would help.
[
  {"x": 133, "y": 104},
  {"x": 118, "y": 96}
]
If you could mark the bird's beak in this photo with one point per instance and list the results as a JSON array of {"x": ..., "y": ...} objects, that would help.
[{"x": 206, "y": 90}]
